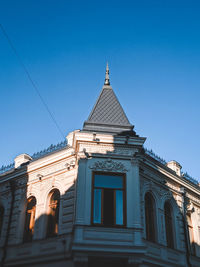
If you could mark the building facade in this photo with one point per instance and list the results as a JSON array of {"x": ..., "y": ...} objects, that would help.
[{"x": 99, "y": 198}]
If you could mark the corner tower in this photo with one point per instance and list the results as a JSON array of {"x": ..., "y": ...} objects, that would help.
[{"x": 107, "y": 114}]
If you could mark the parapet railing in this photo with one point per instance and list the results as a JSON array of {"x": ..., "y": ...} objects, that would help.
[
  {"x": 48, "y": 150},
  {"x": 164, "y": 162}
]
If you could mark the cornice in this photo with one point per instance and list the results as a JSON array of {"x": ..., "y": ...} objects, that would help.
[
  {"x": 36, "y": 165},
  {"x": 167, "y": 174}
]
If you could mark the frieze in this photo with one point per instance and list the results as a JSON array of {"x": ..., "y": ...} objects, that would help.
[
  {"x": 194, "y": 199},
  {"x": 50, "y": 149},
  {"x": 152, "y": 186},
  {"x": 167, "y": 195},
  {"x": 107, "y": 149},
  {"x": 172, "y": 186},
  {"x": 46, "y": 171},
  {"x": 148, "y": 175},
  {"x": 109, "y": 165}
]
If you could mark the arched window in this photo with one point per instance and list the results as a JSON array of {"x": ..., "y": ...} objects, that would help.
[
  {"x": 1, "y": 218},
  {"x": 191, "y": 233},
  {"x": 29, "y": 219},
  {"x": 150, "y": 217},
  {"x": 53, "y": 213},
  {"x": 169, "y": 225}
]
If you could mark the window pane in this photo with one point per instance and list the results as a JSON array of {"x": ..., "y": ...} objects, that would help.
[
  {"x": 53, "y": 213},
  {"x": 97, "y": 206},
  {"x": 169, "y": 225},
  {"x": 108, "y": 181},
  {"x": 119, "y": 207},
  {"x": 29, "y": 219},
  {"x": 150, "y": 217},
  {"x": 1, "y": 217},
  {"x": 108, "y": 207}
]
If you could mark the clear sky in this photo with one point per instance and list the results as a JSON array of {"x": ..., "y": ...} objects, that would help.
[{"x": 153, "y": 50}]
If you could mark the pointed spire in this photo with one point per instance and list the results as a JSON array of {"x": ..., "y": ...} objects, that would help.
[
  {"x": 107, "y": 79},
  {"x": 107, "y": 114}
]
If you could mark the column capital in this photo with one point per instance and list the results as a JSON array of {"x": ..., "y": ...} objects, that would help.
[{"x": 135, "y": 160}]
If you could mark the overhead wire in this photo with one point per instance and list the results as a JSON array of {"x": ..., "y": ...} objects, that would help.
[{"x": 31, "y": 80}]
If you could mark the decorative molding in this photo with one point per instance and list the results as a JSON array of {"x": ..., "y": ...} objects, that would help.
[
  {"x": 173, "y": 186},
  {"x": 7, "y": 168},
  {"x": 135, "y": 161},
  {"x": 164, "y": 162},
  {"x": 190, "y": 207},
  {"x": 149, "y": 185},
  {"x": 50, "y": 149},
  {"x": 39, "y": 176},
  {"x": 107, "y": 149},
  {"x": 193, "y": 198},
  {"x": 189, "y": 178},
  {"x": 156, "y": 157},
  {"x": 71, "y": 164},
  {"x": 109, "y": 165}
]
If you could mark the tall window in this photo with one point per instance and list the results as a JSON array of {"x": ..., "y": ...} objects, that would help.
[
  {"x": 108, "y": 199},
  {"x": 1, "y": 218},
  {"x": 191, "y": 233},
  {"x": 169, "y": 225},
  {"x": 29, "y": 219},
  {"x": 53, "y": 213},
  {"x": 150, "y": 217}
]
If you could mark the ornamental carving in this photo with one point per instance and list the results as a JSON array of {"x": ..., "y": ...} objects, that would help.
[{"x": 109, "y": 165}]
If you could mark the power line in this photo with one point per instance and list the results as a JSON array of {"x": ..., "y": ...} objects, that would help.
[{"x": 31, "y": 80}]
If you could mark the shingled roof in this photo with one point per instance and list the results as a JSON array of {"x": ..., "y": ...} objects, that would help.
[{"x": 107, "y": 114}]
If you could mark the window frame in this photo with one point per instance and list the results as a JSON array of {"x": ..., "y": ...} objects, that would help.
[
  {"x": 2, "y": 213},
  {"x": 191, "y": 233},
  {"x": 153, "y": 208},
  {"x": 31, "y": 218},
  {"x": 49, "y": 233},
  {"x": 172, "y": 226},
  {"x": 123, "y": 175}
]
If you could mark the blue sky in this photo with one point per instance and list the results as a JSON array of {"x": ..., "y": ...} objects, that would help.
[{"x": 153, "y": 49}]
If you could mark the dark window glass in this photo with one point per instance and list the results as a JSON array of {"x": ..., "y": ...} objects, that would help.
[
  {"x": 108, "y": 181},
  {"x": 150, "y": 217},
  {"x": 1, "y": 218},
  {"x": 191, "y": 233},
  {"x": 108, "y": 200},
  {"x": 53, "y": 213},
  {"x": 169, "y": 225},
  {"x": 108, "y": 207},
  {"x": 29, "y": 219}
]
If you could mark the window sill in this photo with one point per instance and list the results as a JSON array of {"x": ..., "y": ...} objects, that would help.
[{"x": 108, "y": 226}]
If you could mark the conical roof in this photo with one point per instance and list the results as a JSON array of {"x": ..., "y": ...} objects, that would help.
[{"x": 107, "y": 114}]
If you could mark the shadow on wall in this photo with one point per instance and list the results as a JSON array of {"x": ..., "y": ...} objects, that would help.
[
  {"x": 12, "y": 199},
  {"x": 174, "y": 221},
  {"x": 34, "y": 225},
  {"x": 50, "y": 231}
]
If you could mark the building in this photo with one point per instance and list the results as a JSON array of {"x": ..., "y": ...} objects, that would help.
[{"x": 100, "y": 198}]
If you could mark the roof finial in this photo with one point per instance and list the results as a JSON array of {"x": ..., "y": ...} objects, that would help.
[{"x": 107, "y": 80}]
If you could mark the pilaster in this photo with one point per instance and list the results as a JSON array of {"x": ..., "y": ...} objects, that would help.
[{"x": 133, "y": 201}]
